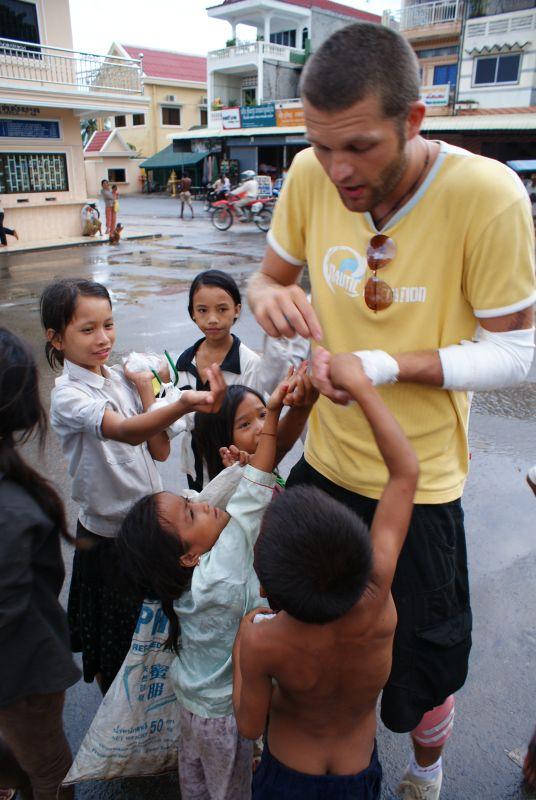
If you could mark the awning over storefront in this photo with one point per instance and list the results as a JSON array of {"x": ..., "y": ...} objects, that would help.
[
  {"x": 481, "y": 122},
  {"x": 167, "y": 159}
]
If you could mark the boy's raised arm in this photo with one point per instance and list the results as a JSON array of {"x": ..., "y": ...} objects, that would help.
[{"x": 393, "y": 513}]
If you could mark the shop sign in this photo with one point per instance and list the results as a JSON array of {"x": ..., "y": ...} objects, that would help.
[
  {"x": 288, "y": 113},
  {"x": 262, "y": 116},
  {"x": 230, "y": 118},
  {"x": 435, "y": 95},
  {"x": 27, "y": 111},
  {"x": 265, "y": 185},
  {"x": 29, "y": 129}
]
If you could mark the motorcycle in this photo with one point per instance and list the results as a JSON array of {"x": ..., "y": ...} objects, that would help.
[{"x": 258, "y": 211}]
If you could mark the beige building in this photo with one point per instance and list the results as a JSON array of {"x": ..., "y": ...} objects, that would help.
[
  {"x": 175, "y": 86},
  {"x": 108, "y": 157},
  {"x": 46, "y": 87}
]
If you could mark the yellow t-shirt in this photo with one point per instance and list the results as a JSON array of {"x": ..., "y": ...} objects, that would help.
[{"x": 465, "y": 249}]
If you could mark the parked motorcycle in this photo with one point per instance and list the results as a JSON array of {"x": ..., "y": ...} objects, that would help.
[{"x": 258, "y": 211}]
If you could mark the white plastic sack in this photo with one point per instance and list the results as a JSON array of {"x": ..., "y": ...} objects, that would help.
[
  {"x": 135, "y": 729},
  {"x": 140, "y": 362}
]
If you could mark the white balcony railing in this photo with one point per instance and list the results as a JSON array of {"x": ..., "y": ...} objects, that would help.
[
  {"x": 239, "y": 52},
  {"x": 438, "y": 13},
  {"x": 84, "y": 72}
]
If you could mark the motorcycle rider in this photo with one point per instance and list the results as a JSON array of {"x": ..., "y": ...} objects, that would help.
[{"x": 247, "y": 191}]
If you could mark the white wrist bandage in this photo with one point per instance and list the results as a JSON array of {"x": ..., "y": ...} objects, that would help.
[
  {"x": 378, "y": 366},
  {"x": 491, "y": 361}
]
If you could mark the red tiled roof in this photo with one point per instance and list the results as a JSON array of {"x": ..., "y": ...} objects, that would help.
[
  {"x": 97, "y": 141},
  {"x": 328, "y": 5},
  {"x": 165, "y": 64}
]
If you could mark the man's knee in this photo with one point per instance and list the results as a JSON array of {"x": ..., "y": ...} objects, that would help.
[{"x": 435, "y": 728}]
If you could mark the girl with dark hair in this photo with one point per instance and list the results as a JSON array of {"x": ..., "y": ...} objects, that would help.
[
  {"x": 198, "y": 561},
  {"x": 36, "y": 665},
  {"x": 110, "y": 441},
  {"x": 234, "y": 432},
  {"x": 214, "y": 304}
]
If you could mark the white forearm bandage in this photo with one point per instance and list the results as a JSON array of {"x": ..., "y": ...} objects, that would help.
[
  {"x": 491, "y": 361},
  {"x": 378, "y": 366}
]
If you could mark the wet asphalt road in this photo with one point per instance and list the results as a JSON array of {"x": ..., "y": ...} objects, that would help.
[{"x": 496, "y": 710}]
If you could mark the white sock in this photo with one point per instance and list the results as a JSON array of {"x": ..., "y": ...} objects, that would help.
[{"x": 430, "y": 773}]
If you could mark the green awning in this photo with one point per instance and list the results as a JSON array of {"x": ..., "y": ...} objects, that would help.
[{"x": 167, "y": 159}]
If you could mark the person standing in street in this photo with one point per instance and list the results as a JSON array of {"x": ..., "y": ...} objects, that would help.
[
  {"x": 421, "y": 260},
  {"x": 109, "y": 206},
  {"x": 185, "y": 196},
  {"x": 4, "y": 230}
]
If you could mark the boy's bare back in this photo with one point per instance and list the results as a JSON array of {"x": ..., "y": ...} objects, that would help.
[{"x": 323, "y": 710}]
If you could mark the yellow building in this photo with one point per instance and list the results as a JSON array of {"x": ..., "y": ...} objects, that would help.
[
  {"x": 175, "y": 85},
  {"x": 46, "y": 88}
]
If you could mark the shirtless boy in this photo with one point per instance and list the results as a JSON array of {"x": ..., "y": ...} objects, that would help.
[{"x": 329, "y": 648}]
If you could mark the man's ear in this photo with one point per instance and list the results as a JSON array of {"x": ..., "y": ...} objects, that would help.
[
  {"x": 189, "y": 559},
  {"x": 54, "y": 338}
]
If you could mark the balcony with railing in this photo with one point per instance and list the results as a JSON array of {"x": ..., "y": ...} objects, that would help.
[
  {"x": 251, "y": 52},
  {"x": 441, "y": 18},
  {"x": 27, "y": 65}
]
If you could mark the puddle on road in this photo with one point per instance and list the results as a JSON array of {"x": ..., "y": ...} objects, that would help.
[{"x": 519, "y": 402}]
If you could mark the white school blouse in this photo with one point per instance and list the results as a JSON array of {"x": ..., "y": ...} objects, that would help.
[
  {"x": 108, "y": 476},
  {"x": 240, "y": 366}
]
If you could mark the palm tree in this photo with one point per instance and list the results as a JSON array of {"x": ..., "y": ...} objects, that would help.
[{"x": 88, "y": 128}]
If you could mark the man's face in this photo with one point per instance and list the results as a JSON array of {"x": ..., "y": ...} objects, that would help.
[{"x": 361, "y": 151}]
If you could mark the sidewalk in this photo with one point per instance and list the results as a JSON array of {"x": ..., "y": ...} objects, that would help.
[{"x": 73, "y": 241}]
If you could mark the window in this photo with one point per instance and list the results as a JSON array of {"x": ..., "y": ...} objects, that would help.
[
  {"x": 445, "y": 73},
  {"x": 18, "y": 20},
  {"x": 138, "y": 119},
  {"x": 497, "y": 69},
  {"x": 437, "y": 52},
  {"x": 203, "y": 117},
  {"x": 117, "y": 176},
  {"x": 33, "y": 172},
  {"x": 287, "y": 38},
  {"x": 121, "y": 121},
  {"x": 171, "y": 115},
  {"x": 249, "y": 96}
]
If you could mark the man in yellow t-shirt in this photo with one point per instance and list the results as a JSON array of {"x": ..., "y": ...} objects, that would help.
[{"x": 453, "y": 264}]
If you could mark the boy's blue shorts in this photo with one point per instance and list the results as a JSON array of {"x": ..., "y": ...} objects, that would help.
[{"x": 274, "y": 781}]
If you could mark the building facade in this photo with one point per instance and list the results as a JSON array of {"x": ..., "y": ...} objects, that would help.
[
  {"x": 175, "y": 86},
  {"x": 255, "y": 119},
  {"x": 46, "y": 88},
  {"x": 108, "y": 157}
]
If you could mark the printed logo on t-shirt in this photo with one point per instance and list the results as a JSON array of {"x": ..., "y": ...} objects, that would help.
[{"x": 344, "y": 269}]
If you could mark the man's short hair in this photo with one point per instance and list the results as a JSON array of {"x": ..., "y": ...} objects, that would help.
[
  {"x": 313, "y": 556},
  {"x": 360, "y": 60}
]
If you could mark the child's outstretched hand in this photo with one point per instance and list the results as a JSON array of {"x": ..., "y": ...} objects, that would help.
[
  {"x": 322, "y": 377},
  {"x": 301, "y": 392},
  {"x": 232, "y": 455},
  {"x": 207, "y": 402},
  {"x": 346, "y": 372}
]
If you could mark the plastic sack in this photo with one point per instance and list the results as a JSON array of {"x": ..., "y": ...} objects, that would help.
[
  {"x": 135, "y": 729},
  {"x": 141, "y": 362}
]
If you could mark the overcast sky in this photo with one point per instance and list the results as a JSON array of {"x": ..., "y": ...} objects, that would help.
[{"x": 181, "y": 25}]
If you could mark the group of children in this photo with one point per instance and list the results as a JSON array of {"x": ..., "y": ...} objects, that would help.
[{"x": 280, "y": 607}]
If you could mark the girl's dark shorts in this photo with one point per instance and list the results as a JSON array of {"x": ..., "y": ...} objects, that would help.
[
  {"x": 102, "y": 612},
  {"x": 431, "y": 593}
]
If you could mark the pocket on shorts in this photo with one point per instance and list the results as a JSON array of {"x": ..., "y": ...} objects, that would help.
[{"x": 448, "y": 632}]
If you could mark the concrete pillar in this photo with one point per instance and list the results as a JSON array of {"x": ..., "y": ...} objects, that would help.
[
  {"x": 267, "y": 20},
  {"x": 233, "y": 28},
  {"x": 260, "y": 80}
]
